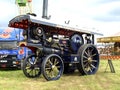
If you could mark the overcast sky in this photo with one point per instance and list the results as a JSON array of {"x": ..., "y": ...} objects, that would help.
[{"x": 97, "y": 15}]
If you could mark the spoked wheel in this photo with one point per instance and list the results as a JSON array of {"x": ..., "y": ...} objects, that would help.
[
  {"x": 52, "y": 67},
  {"x": 32, "y": 66},
  {"x": 89, "y": 59}
]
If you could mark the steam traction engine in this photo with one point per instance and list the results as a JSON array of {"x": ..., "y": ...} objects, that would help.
[{"x": 56, "y": 49}]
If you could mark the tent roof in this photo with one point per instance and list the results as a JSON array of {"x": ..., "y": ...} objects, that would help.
[{"x": 114, "y": 38}]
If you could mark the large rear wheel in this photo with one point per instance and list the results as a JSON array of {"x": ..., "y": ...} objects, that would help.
[{"x": 89, "y": 59}]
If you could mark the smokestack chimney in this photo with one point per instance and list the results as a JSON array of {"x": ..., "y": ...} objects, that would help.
[{"x": 45, "y": 9}]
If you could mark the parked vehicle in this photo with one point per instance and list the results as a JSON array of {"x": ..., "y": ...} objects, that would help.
[
  {"x": 57, "y": 48},
  {"x": 10, "y": 53}
]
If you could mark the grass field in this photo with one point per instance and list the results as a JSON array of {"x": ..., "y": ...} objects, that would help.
[{"x": 15, "y": 80}]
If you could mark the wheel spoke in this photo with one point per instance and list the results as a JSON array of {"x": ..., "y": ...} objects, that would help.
[
  {"x": 29, "y": 61},
  {"x": 56, "y": 71},
  {"x": 91, "y": 50},
  {"x": 86, "y": 65},
  {"x": 90, "y": 69},
  {"x": 85, "y": 61},
  {"x": 93, "y": 55},
  {"x": 47, "y": 72},
  {"x": 30, "y": 71},
  {"x": 50, "y": 62},
  {"x": 85, "y": 57},
  {"x": 87, "y": 68},
  {"x": 36, "y": 72},
  {"x": 37, "y": 68},
  {"x": 94, "y": 60},
  {"x": 56, "y": 62},
  {"x": 86, "y": 53},
  {"x": 57, "y": 67},
  {"x": 92, "y": 66},
  {"x": 34, "y": 61},
  {"x": 47, "y": 68},
  {"x": 52, "y": 74},
  {"x": 27, "y": 67},
  {"x": 33, "y": 73}
]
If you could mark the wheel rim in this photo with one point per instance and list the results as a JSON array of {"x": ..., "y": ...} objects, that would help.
[
  {"x": 53, "y": 68},
  {"x": 32, "y": 67},
  {"x": 90, "y": 60}
]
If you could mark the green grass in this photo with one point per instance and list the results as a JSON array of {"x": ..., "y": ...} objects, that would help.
[{"x": 16, "y": 80}]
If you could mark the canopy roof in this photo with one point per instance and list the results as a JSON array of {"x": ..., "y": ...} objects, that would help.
[
  {"x": 113, "y": 38},
  {"x": 25, "y": 21}
]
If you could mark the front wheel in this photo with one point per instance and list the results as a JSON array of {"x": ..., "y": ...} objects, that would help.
[
  {"x": 52, "y": 67},
  {"x": 89, "y": 59}
]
